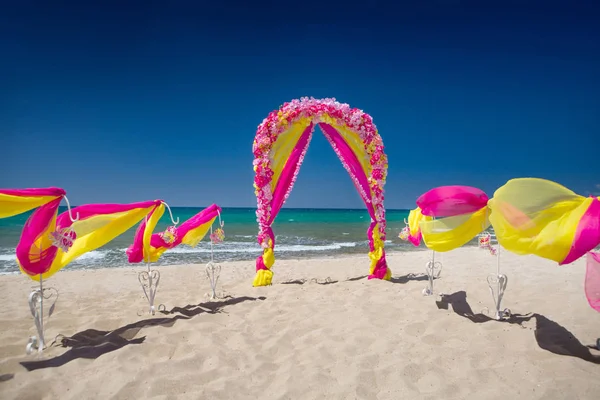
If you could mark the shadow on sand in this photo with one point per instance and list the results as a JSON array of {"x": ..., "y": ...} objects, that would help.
[
  {"x": 92, "y": 343},
  {"x": 358, "y": 278},
  {"x": 549, "y": 335},
  {"x": 396, "y": 279},
  {"x": 409, "y": 277},
  {"x": 326, "y": 281}
]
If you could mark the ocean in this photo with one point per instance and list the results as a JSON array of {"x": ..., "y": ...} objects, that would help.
[{"x": 300, "y": 233}]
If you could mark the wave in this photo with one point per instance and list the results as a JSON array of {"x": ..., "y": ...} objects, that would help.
[
  {"x": 244, "y": 247},
  {"x": 92, "y": 255}
]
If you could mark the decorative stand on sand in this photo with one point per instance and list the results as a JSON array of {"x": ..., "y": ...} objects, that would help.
[
  {"x": 213, "y": 270},
  {"x": 150, "y": 278},
  {"x": 279, "y": 147},
  {"x": 433, "y": 269},
  {"x": 62, "y": 239},
  {"x": 497, "y": 282}
]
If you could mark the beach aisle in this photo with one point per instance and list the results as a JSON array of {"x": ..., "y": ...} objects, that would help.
[{"x": 339, "y": 336}]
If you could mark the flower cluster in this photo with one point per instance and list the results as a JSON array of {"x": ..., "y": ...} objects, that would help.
[
  {"x": 169, "y": 235},
  {"x": 405, "y": 233},
  {"x": 217, "y": 236},
  {"x": 325, "y": 110},
  {"x": 63, "y": 239},
  {"x": 485, "y": 243}
]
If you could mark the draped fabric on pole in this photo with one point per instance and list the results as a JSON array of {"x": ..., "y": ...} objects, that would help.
[
  {"x": 50, "y": 242},
  {"x": 17, "y": 201},
  {"x": 150, "y": 247},
  {"x": 457, "y": 214},
  {"x": 279, "y": 148},
  {"x": 447, "y": 217},
  {"x": 592, "y": 280},
  {"x": 541, "y": 217}
]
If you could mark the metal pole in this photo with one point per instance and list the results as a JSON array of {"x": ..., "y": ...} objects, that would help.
[{"x": 41, "y": 315}]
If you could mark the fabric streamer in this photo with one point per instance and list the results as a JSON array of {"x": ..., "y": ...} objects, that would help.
[
  {"x": 592, "y": 280},
  {"x": 279, "y": 148},
  {"x": 149, "y": 247},
  {"x": 541, "y": 217},
  {"x": 448, "y": 217},
  {"x": 49, "y": 243},
  {"x": 17, "y": 201},
  {"x": 412, "y": 231}
]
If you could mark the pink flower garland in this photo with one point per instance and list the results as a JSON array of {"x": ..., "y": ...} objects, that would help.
[{"x": 280, "y": 120}]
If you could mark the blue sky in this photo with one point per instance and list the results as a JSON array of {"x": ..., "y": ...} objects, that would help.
[{"x": 130, "y": 101}]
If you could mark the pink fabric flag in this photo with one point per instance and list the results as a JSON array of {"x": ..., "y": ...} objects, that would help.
[
  {"x": 592, "y": 280},
  {"x": 449, "y": 201}
]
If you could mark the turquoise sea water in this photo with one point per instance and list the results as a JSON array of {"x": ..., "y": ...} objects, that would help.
[{"x": 299, "y": 233}]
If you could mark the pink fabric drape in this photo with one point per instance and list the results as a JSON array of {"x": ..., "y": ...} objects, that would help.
[
  {"x": 449, "y": 201},
  {"x": 37, "y": 225},
  {"x": 135, "y": 252},
  {"x": 351, "y": 163},
  {"x": 284, "y": 186},
  {"x": 289, "y": 170},
  {"x": 587, "y": 235},
  {"x": 592, "y": 280},
  {"x": 50, "y": 191},
  {"x": 39, "y": 222},
  {"x": 355, "y": 169}
]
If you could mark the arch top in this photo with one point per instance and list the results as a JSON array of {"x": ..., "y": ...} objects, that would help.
[{"x": 316, "y": 111}]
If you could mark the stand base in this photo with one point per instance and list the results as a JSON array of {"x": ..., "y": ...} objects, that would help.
[
  {"x": 213, "y": 272},
  {"x": 36, "y": 306},
  {"x": 149, "y": 281},
  {"x": 499, "y": 281},
  {"x": 433, "y": 269}
]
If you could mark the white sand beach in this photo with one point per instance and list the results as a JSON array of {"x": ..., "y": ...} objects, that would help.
[{"x": 339, "y": 336}]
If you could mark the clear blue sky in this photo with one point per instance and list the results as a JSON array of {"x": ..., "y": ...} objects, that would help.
[{"x": 136, "y": 100}]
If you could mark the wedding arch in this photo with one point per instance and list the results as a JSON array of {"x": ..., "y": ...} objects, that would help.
[{"x": 279, "y": 147}]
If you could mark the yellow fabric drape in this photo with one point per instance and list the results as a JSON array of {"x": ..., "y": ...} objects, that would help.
[
  {"x": 449, "y": 233},
  {"x": 92, "y": 233},
  {"x": 14, "y": 205},
  {"x": 537, "y": 216}
]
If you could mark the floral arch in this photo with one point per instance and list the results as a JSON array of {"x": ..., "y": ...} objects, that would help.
[{"x": 279, "y": 147}]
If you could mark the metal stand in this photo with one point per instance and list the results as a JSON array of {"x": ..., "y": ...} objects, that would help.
[
  {"x": 496, "y": 282},
  {"x": 213, "y": 270},
  {"x": 62, "y": 239},
  {"x": 433, "y": 269},
  {"x": 36, "y": 305},
  {"x": 150, "y": 278}
]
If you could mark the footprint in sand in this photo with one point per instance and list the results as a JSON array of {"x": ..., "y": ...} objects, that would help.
[{"x": 415, "y": 329}]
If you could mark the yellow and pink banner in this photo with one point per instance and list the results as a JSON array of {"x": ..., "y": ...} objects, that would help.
[
  {"x": 50, "y": 242},
  {"x": 148, "y": 246},
  {"x": 18, "y": 201}
]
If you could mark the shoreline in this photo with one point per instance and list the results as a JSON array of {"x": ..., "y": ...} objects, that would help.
[{"x": 278, "y": 256}]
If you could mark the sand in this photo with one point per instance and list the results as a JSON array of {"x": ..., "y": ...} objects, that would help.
[{"x": 321, "y": 331}]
